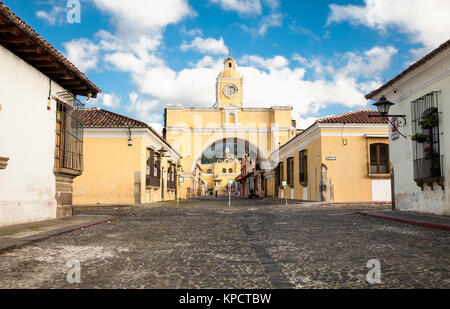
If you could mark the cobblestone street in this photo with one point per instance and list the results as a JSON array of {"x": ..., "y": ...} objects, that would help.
[{"x": 255, "y": 244}]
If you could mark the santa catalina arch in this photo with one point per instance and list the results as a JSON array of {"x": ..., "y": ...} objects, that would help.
[{"x": 227, "y": 127}]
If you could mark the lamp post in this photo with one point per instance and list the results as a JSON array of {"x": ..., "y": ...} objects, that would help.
[
  {"x": 384, "y": 105},
  {"x": 178, "y": 181},
  {"x": 230, "y": 184},
  {"x": 284, "y": 184}
]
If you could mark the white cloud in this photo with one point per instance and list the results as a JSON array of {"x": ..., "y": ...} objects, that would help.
[
  {"x": 191, "y": 32},
  {"x": 303, "y": 123},
  {"x": 268, "y": 64},
  {"x": 369, "y": 64},
  {"x": 268, "y": 82},
  {"x": 273, "y": 20},
  {"x": 133, "y": 17},
  {"x": 273, "y": 4},
  {"x": 426, "y": 22},
  {"x": 270, "y": 21},
  {"x": 144, "y": 109},
  {"x": 249, "y": 7},
  {"x": 110, "y": 100},
  {"x": 56, "y": 15},
  {"x": 372, "y": 63},
  {"x": 209, "y": 45},
  {"x": 83, "y": 53}
]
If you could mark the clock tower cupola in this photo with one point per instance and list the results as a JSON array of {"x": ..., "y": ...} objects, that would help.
[{"x": 229, "y": 84}]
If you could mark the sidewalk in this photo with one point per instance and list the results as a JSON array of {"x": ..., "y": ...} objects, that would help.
[
  {"x": 316, "y": 203},
  {"x": 431, "y": 221},
  {"x": 22, "y": 234}
]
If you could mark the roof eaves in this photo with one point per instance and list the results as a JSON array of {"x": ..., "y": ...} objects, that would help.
[{"x": 411, "y": 68}]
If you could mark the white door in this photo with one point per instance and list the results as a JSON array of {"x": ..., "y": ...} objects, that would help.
[
  {"x": 305, "y": 193},
  {"x": 381, "y": 190}
]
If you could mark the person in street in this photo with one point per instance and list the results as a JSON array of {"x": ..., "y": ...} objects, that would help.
[{"x": 216, "y": 193}]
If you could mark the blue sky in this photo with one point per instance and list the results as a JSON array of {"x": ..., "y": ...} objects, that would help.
[{"x": 319, "y": 56}]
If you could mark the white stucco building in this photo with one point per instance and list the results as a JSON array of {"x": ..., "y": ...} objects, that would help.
[
  {"x": 421, "y": 161},
  {"x": 40, "y": 139}
]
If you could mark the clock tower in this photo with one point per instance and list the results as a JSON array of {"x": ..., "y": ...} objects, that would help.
[{"x": 229, "y": 84}]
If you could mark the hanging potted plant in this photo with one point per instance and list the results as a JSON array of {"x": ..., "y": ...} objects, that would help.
[
  {"x": 429, "y": 121},
  {"x": 420, "y": 138}
]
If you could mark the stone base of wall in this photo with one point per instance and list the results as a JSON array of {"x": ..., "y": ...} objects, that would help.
[
  {"x": 64, "y": 191},
  {"x": 64, "y": 211}
]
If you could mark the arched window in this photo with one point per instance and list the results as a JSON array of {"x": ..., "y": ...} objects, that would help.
[
  {"x": 224, "y": 171},
  {"x": 230, "y": 171},
  {"x": 379, "y": 159}
]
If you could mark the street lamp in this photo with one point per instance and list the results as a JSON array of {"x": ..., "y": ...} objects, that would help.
[
  {"x": 162, "y": 152},
  {"x": 384, "y": 105}
]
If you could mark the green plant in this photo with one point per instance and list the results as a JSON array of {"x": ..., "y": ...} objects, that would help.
[
  {"x": 429, "y": 121},
  {"x": 420, "y": 138}
]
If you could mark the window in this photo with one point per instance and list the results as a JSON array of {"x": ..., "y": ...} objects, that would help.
[
  {"x": 230, "y": 171},
  {"x": 426, "y": 138},
  {"x": 69, "y": 138},
  {"x": 290, "y": 171},
  {"x": 153, "y": 169},
  {"x": 379, "y": 159},
  {"x": 224, "y": 171},
  {"x": 209, "y": 172},
  {"x": 171, "y": 176},
  {"x": 303, "y": 166}
]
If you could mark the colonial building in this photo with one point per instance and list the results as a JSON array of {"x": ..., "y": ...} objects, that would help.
[
  {"x": 202, "y": 135},
  {"x": 420, "y": 149},
  {"x": 221, "y": 171},
  {"x": 339, "y": 158},
  {"x": 40, "y": 134},
  {"x": 125, "y": 162}
]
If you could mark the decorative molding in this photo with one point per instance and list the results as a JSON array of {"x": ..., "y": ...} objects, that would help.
[
  {"x": 66, "y": 172},
  {"x": 3, "y": 162}
]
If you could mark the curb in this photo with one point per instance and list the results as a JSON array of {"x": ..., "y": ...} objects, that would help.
[
  {"x": 316, "y": 203},
  {"x": 408, "y": 221},
  {"x": 49, "y": 234}
]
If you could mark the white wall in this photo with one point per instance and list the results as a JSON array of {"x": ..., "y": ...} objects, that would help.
[
  {"x": 27, "y": 137},
  {"x": 381, "y": 190},
  {"x": 409, "y": 196}
]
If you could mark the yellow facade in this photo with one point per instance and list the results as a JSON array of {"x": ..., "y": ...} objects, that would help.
[
  {"x": 116, "y": 173},
  {"x": 218, "y": 174},
  {"x": 338, "y": 164},
  {"x": 192, "y": 130}
]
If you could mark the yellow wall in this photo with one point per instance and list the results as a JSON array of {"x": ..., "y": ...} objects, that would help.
[
  {"x": 191, "y": 130},
  {"x": 115, "y": 173},
  {"x": 109, "y": 171},
  {"x": 348, "y": 174}
]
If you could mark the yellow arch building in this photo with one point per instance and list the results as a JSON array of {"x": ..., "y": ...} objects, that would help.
[{"x": 201, "y": 135}]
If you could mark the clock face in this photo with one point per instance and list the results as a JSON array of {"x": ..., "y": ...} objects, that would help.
[{"x": 230, "y": 91}]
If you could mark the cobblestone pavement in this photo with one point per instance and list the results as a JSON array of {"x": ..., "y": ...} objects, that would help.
[{"x": 255, "y": 244}]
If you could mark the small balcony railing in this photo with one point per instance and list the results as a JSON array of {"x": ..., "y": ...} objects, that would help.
[
  {"x": 171, "y": 185},
  {"x": 429, "y": 168},
  {"x": 152, "y": 181}
]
